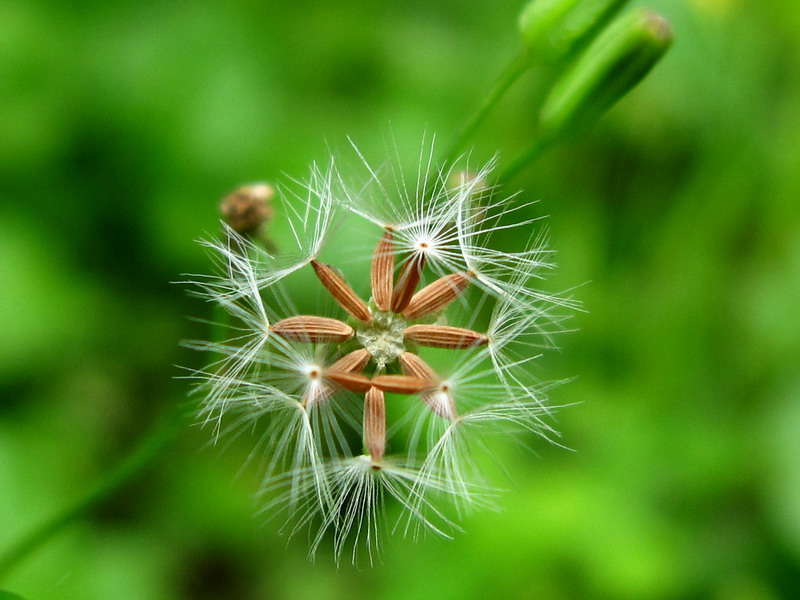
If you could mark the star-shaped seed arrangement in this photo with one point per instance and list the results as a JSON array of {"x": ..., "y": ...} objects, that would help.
[{"x": 382, "y": 329}]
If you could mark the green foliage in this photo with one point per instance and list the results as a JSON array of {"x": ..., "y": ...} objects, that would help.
[
  {"x": 610, "y": 67},
  {"x": 555, "y": 30},
  {"x": 122, "y": 124}
]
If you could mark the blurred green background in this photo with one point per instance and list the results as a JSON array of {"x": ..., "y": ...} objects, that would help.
[{"x": 122, "y": 124}]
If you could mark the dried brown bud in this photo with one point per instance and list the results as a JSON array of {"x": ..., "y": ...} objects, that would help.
[
  {"x": 444, "y": 336},
  {"x": 342, "y": 292},
  {"x": 247, "y": 208},
  {"x": 309, "y": 328}
]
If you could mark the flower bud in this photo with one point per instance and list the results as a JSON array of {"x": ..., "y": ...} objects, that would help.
[
  {"x": 247, "y": 208},
  {"x": 555, "y": 29},
  {"x": 611, "y": 66}
]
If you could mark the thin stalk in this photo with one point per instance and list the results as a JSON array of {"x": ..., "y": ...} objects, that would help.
[
  {"x": 507, "y": 78},
  {"x": 524, "y": 160},
  {"x": 131, "y": 466},
  {"x": 150, "y": 448}
]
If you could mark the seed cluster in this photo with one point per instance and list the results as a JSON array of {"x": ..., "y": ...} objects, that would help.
[
  {"x": 306, "y": 382},
  {"x": 383, "y": 330}
]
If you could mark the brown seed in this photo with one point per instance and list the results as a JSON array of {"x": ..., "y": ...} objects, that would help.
[
  {"x": 383, "y": 272},
  {"x": 351, "y": 363},
  {"x": 341, "y": 292},
  {"x": 416, "y": 367},
  {"x": 444, "y": 336},
  {"x": 401, "y": 384},
  {"x": 436, "y": 296},
  {"x": 309, "y": 328},
  {"x": 407, "y": 282},
  {"x": 349, "y": 381},
  {"x": 375, "y": 424}
]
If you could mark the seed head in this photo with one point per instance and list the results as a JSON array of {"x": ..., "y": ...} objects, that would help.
[{"x": 444, "y": 337}]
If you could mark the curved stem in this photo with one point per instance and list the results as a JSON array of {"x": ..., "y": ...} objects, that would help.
[
  {"x": 512, "y": 72},
  {"x": 525, "y": 159},
  {"x": 150, "y": 447},
  {"x": 131, "y": 466}
]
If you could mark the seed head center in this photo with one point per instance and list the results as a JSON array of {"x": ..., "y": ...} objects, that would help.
[{"x": 383, "y": 337}]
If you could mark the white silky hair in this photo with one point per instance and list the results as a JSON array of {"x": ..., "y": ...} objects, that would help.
[{"x": 313, "y": 471}]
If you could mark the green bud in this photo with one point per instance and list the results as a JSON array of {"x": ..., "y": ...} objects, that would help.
[
  {"x": 555, "y": 29},
  {"x": 611, "y": 66}
]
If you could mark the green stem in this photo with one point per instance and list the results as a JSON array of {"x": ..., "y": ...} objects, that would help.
[
  {"x": 525, "y": 159},
  {"x": 150, "y": 448},
  {"x": 131, "y": 466},
  {"x": 512, "y": 72}
]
